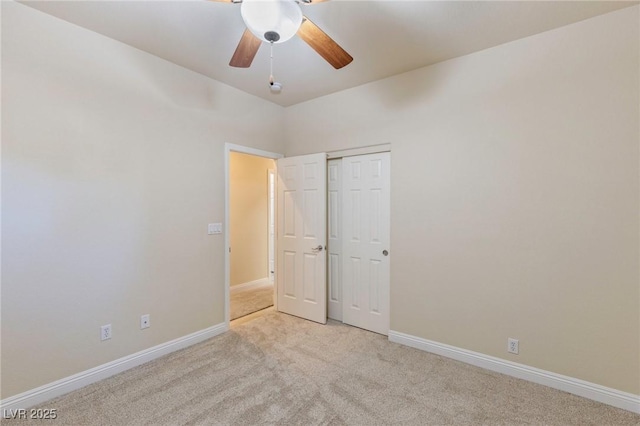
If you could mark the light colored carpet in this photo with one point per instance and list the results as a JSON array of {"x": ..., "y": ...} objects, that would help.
[
  {"x": 245, "y": 302},
  {"x": 278, "y": 369}
]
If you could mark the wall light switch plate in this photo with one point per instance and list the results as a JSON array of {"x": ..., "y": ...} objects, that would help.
[{"x": 214, "y": 228}]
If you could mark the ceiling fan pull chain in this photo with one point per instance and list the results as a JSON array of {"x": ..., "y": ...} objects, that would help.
[
  {"x": 271, "y": 66},
  {"x": 274, "y": 86}
]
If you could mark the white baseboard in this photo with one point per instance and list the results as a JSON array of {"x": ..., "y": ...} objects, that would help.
[
  {"x": 77, "y": 381},
  {"x": 616, "y": 398},
  {"x": 251, "y": 284}
]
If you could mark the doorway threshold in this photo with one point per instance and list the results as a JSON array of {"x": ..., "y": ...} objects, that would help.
[{"x": 248, "y": 318}]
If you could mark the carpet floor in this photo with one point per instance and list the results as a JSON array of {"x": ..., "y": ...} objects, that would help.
[
  {"x": 278, "y": 369},
  {"x": 245, "y": 302}
]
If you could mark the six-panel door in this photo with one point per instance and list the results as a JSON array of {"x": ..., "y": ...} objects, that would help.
[
  {"x": 302, "y": 230},
  {"x": 366, "y": 238}
]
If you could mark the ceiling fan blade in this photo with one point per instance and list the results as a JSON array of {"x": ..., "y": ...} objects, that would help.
[
  {"x": 246, "y": 50},
  {"x": 323, "y": 44}
]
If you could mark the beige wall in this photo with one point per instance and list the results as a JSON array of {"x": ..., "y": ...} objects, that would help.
[
  {"x": 248, "y": 208},
  {"x": 514, "y": 195},
  {"x": 112, "y": 166}
]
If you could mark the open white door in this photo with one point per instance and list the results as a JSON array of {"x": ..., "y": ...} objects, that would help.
[
  {"x": 302, "y": 232},
  {"x": 366, "y": 212}
]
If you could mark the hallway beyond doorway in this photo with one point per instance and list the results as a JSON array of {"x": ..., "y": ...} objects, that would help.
[{"x": 247, "y": 300}]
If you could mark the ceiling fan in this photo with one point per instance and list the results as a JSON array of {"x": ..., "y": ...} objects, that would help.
[{"x": 276, "y": 21}]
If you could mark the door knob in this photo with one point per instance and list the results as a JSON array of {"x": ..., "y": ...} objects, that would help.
[
  {"x": 317, "y": 249},
  {"x": 384, "y": 252}
]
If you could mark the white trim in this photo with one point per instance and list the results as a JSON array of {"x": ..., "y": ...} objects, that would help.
[
  {"x": 271, "y": 218},
  {"x": 228, "y": 148},
  {"x": 372, "y": 149},
  {"x": 82, "y": 379},
  {"x": 251, "y": 285},
  {"x": 616, "y": 398}
]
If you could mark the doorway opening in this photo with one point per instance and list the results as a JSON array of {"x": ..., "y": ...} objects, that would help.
[
  {"x": 355, "y": 191},
  {"x": 250, "y": 214}
]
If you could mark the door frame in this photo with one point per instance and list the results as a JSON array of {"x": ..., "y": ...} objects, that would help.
[
  {"x": 271, "y": 215},
  {"x": 228, "y": 149}
]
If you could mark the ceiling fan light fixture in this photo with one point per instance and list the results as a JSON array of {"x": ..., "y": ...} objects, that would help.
[{"x": 266, "y": 17}]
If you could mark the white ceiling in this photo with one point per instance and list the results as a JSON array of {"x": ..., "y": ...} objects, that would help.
[{"x": 384, "y": 37}]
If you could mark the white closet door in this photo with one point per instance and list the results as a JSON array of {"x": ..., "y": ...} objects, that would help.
[
  {"x": 302, "y": 232},
  {"x": 366, "y": 251},
  {"x": 334, "y": 248}
]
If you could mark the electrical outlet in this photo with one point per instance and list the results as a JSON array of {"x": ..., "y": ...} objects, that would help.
[
  {"x": 513, "y": 346},
  {"x": 145, "y": 321},
  {"x": 105, "y": 332}
]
